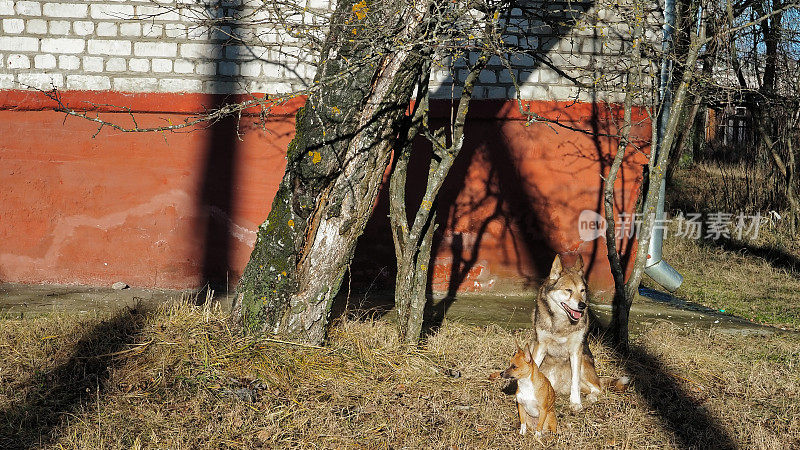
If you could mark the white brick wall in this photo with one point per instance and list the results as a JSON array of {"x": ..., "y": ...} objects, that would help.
[
  {"x": 42, "y": 80},
  {"x": 13, "y": 26},
  {"x": 88, "y": 82},
  {"x": 73, "y": 10},
  {"x": 134, "y": 45},
  {"x": 574, "y": 52},
  {"x": 45, "y": 61},
  {"x": 142, "y": 46},
  {"x": 7, "y": 7},
  {"x": 62, "y": 45},
  {"x": 109, "y": 47}
]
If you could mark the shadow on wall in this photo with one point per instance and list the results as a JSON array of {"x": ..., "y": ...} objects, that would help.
[
  {"x": 219, "y": 160},
  {"x": 485, "y": 204},
  {"x": 232, "y": 39},
  {"x": 491, "y": 202},
  {"x": 504, "y": 213},
  {"x": 215, "y": 202},
  {"x": 605, "y": 120}
]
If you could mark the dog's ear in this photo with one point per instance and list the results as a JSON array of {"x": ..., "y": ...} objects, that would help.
[
  {"x": 528, "y": 356},
  {"x": 555, "y": 271},
  {"x": 579, "y": 263},
  {"x": 516, "y": 344}
]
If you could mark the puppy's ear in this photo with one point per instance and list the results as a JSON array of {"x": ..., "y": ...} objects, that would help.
[
  {"x": 528, "y": 357},
  {"x": 579, "y": 263},
  {"x": 555, "y": 271}
]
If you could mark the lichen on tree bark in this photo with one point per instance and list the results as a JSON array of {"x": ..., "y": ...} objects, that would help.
[{"x": 335, "y": 163}]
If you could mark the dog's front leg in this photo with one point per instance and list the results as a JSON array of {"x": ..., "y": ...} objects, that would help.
[
  {"x": 575, "y": 386},
  {"x": 523, "y": 419},
  {"x": 539, "y": 354}
]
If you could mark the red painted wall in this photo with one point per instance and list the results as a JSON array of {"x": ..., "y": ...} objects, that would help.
[{"x": 93, "y": 206}]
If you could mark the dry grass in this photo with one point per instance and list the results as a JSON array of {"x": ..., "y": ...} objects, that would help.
[
  {"x": 758, "y": 279},
  {"x": 736, "y": 282},
  {"x": 708, "y": 188},
  {"x": 713, "y": 186},
  {"x": 178, "y": 377}
]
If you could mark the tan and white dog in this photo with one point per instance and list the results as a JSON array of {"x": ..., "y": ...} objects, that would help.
[
  {"x": 535, "y": 396},
  {"x": 561, "y": 324}
]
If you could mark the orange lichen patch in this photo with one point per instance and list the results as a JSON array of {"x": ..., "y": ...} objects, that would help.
[{"x": 360, "y": 10}]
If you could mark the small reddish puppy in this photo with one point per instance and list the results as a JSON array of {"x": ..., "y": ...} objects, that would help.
[{"x": 535, "y": 394}]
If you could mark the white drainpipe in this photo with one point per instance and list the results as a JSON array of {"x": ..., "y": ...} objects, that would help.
[{"x": 655, "y": 267}]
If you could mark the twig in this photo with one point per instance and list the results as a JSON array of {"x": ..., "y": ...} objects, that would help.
[
  {"x": 299, "y": 344},
  {"x": 137, "y": 347}
]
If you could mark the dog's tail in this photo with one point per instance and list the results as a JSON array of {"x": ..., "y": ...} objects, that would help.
[{"x": 615, "y": 384}]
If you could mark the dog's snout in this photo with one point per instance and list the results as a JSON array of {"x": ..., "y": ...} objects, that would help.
[
  {"x": 504, "y": 374},
  {"x": 581, "y": 306}
]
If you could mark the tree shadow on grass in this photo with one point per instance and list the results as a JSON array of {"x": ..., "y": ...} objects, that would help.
[
  {"x": 776, "y": 257},
  {"x": 681, "y": 413},
  {"x": 53, "y": 395}
]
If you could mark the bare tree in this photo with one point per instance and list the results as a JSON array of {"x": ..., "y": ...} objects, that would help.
[
  {"x": 413, "y": 243},
  {"x": 704, "y": 28},
  {"x": 766, "y": 63},
  {"x": 625, "y": 291},
  {"x": 342, "y": 146}
]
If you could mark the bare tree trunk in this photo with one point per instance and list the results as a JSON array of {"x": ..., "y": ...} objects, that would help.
[
  {"x": 342, "y": 146},
  {"x": 791, "y": 192},
  {"x": 625, "y": 293},
  {"x": 413, "y": 243},
  {"x": 412, "y": 257},
  {"x": 621, "y": 301},
  {"x": 689, "y": 128},
  {"x": 686, "y": 130}
]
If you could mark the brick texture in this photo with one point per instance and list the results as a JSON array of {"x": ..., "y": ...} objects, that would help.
[{"x": 570, "y": 50}]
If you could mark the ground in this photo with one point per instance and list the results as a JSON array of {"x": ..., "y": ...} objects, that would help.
[{"x": 177, "y": 375}]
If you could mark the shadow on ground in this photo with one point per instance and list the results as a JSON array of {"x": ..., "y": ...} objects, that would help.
[
  {"x": 681, "y": 412},
  {"x": 692, "y": 425},
  {"x": 52, "y": 395},
  {"x": 776, "y": 257}
]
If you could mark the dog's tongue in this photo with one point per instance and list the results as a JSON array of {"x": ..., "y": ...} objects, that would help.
[{"x": 574, "y": 314}]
